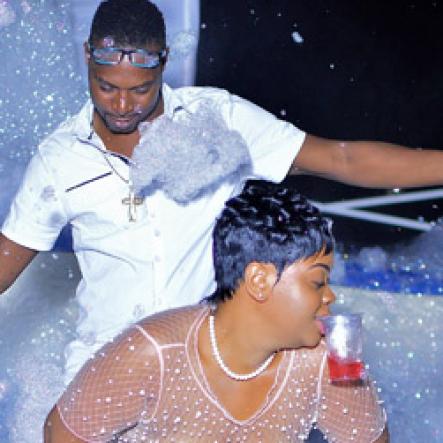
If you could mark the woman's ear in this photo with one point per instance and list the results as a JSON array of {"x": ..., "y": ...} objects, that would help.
[{"x": 259, "y": 280}]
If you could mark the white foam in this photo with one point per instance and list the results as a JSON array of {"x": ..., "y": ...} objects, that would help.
[{"x": 297, "y": 37}]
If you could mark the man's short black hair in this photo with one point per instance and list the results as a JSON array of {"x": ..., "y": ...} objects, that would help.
[
  {"x": 266, "y": 223},
  {"x": 134, "y": 23}
]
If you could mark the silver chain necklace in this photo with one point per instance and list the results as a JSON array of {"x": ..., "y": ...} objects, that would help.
[
  {"x": 221, "y": 363},
  {"x": 105, "y": 155},
  {"x": 132, "y": 200}
]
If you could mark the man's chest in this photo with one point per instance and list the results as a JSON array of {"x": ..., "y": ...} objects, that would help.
[{"x": 101, "y": 202}]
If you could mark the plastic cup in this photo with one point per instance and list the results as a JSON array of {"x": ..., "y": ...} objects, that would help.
[{"x": 343, "y": 334}]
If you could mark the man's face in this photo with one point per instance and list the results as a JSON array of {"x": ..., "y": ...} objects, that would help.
[{"x": 125, "y": 95}]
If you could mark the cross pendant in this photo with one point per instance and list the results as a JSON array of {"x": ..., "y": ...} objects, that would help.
[{"x": 132, "y": 201}]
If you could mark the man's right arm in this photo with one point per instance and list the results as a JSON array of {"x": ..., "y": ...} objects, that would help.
[{"x": 14, "y": 258}]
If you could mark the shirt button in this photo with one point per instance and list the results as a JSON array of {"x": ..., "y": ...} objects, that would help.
[{"x": 157, "y": 232}]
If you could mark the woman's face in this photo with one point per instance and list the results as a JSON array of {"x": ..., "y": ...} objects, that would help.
[{"x": 300, "y": 296}]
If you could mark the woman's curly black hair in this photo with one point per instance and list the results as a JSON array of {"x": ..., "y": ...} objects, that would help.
[
  {"x": 134, "y": 23},
  {"x": 266, "y": 223}
]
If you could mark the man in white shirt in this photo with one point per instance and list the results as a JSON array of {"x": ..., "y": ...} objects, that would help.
[{"x": 139, "y": 255}]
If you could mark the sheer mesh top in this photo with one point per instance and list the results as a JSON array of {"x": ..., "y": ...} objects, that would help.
[{"x": 148, "y": 385}]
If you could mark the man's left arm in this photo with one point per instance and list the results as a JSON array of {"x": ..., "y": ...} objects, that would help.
[{"x": 369, "y": 164}]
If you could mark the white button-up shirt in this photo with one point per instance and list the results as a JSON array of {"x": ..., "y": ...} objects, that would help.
[{"x": 164, "y": 259}]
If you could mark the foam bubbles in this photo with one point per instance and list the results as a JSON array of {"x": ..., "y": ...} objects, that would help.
[
  {"x": 26, "y": 7},
  {"x": 182, "y": 44},
  {"x": 7, "y": 14},
  {"x": 39, "y": 84},
  {"x": 38, "y": 380},
  {"x": 187, "y": 155},
  {"x": 372, "y": 259},
  {"x": 424, "y": 254},
  {"x": 38, "y": 319},
  {"x": 398, "y": 348},
  {"x": 415, "y": 268},
  {"x": 3, "y": 389},
  {"x": 297, "y": 37}
]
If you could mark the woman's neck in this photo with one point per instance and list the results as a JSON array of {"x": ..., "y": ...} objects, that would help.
[{"x": 240, "y": 333}]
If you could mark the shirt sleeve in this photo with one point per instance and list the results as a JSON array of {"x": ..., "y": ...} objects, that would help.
[
  {"x": 349, "y": 412},
  {"x": 273, "y": 144},
  {"x": 115, "y": 390},
  {"x": 37, "y": 215}
]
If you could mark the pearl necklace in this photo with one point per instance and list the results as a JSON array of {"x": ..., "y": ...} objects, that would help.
[{"x": 221, "y": 363}]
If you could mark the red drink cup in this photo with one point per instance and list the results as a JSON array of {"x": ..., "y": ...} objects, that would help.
[{"x": 343, "y": 335}]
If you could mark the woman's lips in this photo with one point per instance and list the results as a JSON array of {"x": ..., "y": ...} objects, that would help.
[
  {"x": 320, "y": 326},
  {"x": 323, "y": 312}
]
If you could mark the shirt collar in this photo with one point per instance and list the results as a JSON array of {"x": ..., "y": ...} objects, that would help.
[
  {"x": 82, "y": 123},
  {"x": 172, "y": 101}
]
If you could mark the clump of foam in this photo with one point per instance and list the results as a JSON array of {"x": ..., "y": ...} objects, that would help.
[
  {"x": 188, "y": 155},
  {"x": 297, "y": 37},
  {"x": 40, "y": 383},
  {"x": 7, "y": 14},
  {"x": 372, "y": 259},
  {"x": 416, "y": 268},
  {"x": 38, "y": 317},
  {"x": 3, "y": 389},
  {"x": 26, "y": 7},
  {"x": 39, "y": 86},
  {"x": 182, "y": 44},
  {"x": 424, "y": 254},
  {"x": 402, "y": 349},
  {"x": 339, "y": 270}
]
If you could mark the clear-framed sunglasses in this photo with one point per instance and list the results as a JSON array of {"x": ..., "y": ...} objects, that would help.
[{"x": 141, "y": 58}]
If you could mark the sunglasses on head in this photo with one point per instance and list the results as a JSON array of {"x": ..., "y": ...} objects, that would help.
[{"x": 141, "y": 58}]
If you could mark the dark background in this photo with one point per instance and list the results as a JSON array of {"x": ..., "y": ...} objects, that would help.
[{"x": 365, "y": 70}]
